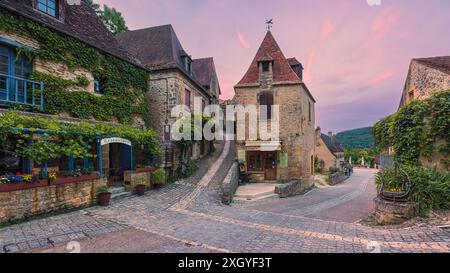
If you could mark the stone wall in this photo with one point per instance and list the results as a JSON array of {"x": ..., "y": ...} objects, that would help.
[
  {"x": 423, "y": 80},
  {"x": 230, "y": 185},
  {"x": 292, "y": 188},
  {"x": 167, "y": 89},
  {"x": 22, "y": 204},
  {"x": 323, "y": 153},
  {"x": 297, "y": 132}
]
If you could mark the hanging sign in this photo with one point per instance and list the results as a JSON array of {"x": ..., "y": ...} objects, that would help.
[
  {"x": 115, "y": 140},
  {"x": 284, "y": 160},
  {"x": 241, "y": 156}
]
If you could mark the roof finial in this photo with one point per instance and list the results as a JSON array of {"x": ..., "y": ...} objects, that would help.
[{"x": 269, "y": 24}]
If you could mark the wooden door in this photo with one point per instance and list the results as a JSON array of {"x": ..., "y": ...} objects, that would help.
[{"x": 270, "y": 170}]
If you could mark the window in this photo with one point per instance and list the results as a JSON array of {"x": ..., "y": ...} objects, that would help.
[
  {"x": 255, "y": 162},
  {"x": 265, "y": 66},
  {"x": 411, "y": 96},
  {"x": 266, "y": 99},
  {"x": 310, "y": 112},
  {"x": 49, "y": 7},
  {"x": 187, "y": 98},
  {"x": 99, "y": 85},
  {"x": 167, "y": 132}
]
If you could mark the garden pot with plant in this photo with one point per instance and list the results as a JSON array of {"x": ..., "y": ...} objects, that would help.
[
  {"x": 140, "y": 189},
  {"x": 104, "y": 196},
  {"x": 158, "y": 178}
]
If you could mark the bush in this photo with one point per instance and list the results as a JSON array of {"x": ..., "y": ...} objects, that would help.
[
  {"x": 159, "y": 176},
  {"x": 102, "y": 189},
  {"x": 430, "y": 188},
  {"x": 335, "y": 169}
]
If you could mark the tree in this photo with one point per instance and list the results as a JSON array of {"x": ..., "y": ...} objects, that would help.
[
  {"x": 113, "y": 20},
  {"x": 94, "y": 6}
]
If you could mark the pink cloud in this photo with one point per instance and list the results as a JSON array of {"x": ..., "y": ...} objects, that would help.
[
  {"x": 243, "y": 41},
  {"x": 307, "y": 77},
  {"x": 384, "y": 76},
  {"x": 327, "y": 29}
]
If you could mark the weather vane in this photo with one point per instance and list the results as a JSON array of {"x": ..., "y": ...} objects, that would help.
[{"x": 269, "y": 24}]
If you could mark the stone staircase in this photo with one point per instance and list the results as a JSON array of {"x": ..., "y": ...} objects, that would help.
[{"x": 119, "y": 193}]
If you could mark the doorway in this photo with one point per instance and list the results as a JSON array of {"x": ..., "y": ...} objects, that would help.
[
  {"x": 270, "y": 171},
  {"x": 119, "y": 161}
]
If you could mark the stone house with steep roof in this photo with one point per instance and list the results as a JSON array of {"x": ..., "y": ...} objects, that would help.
[
  {"x": 272, "y": 80},
  {"x": 425, "y": 76},
  {"x": 175, "y": 79},
  {"x": 328, "y": 150}
]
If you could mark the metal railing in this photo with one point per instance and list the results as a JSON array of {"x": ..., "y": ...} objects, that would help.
[{"x": 20, "y": 91}]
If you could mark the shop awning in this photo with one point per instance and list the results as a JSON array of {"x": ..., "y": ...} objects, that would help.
[{"x": 263, "y": 146}]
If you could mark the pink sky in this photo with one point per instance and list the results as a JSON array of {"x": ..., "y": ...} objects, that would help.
[{"x": 356, "y": 56}]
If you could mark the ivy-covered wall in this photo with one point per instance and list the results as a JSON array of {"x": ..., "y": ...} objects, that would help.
[
  {"x": 124, "y": 84},
  {"x": 419, "y": 132}
]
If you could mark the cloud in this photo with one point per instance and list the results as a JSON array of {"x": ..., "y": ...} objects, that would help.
[
  {"x": 327, "y": 29},
  {"x": 243, "y": 41},
  {"x": 384, "y": 76}
]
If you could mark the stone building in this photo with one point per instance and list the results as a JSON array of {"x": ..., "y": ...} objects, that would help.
[
  {"x": 425, "y": 76},
  {"x": 175, "y": 79},
  {"x": 328, "y": 150},
  {"x": 60, "y": 67},
  {"x": 272, "y": 80}
]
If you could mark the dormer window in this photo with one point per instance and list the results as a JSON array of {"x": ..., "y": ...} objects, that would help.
[
  {"x": 49, "y": 7},
  {"x": 265, "y": 66}
]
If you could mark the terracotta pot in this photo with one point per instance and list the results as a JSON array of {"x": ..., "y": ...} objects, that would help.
[
  {"x": 104, "y": 198},
  {"x": 140, "y": 190},
  {"x": 157, "y": 186}
]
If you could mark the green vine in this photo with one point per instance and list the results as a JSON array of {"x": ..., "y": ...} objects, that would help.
[
  {"x": 124, "y": 84},
  {"x": 416, "y": 130}
]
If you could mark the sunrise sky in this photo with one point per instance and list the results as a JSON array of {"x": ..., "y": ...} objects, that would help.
[{"x": 356, "y": 56}]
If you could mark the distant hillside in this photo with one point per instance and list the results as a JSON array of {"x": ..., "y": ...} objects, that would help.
[{"x": 357, "y": 139}]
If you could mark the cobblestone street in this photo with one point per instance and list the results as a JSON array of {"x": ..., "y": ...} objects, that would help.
[{"x": 187, "y": 217}]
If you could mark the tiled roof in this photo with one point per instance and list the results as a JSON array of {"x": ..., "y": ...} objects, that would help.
[
  {"x": 441, "y": 63},
  {"x": 269, "y": 50},
  {"x": 77, "y": 21},
  {"x": 332, "y": 144},
  {"x": 293, "y": 62}
]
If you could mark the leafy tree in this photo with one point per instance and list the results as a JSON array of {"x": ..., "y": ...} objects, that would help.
[
  {"x": 113, "y": 20},
  {"x": 94, "y": 6}
]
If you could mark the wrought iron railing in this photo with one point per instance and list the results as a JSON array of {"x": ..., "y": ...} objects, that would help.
[{"x": 20, "y": 91}]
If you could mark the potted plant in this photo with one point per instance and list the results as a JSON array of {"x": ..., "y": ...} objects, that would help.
[
  {"x": 140, "y": 189},
  {"x": 158, "y": 178},
  {"x": 104, "y": 196}
]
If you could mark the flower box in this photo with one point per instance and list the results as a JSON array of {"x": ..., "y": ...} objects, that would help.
[
  {"x": 23, "y": 186},
  {"x": 69, "y": 180},
  {"x": 144, "y": 170}
]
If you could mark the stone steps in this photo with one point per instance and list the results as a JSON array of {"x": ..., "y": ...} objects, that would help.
[{"x": 118, "y": 193}]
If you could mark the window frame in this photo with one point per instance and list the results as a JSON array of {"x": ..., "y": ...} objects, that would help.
[
  {"x": 187, "y": 98},
  {"x": 267, "y": 99},
  {"x": 38, "y": 4}
]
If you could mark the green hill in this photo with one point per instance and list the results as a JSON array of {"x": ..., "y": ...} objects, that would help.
[{"x": 357, "y": 139}]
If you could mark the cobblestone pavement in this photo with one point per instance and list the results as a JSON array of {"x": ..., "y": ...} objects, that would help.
[{"x": 188, "y": 217}]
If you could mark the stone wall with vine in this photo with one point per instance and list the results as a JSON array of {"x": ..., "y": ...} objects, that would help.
[
  {"x": 419, "y": 132},
  {"x": 124, "y": 84}
]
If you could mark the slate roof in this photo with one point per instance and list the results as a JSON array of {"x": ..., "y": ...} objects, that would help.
[
  {"x": 441, "y": 63},
  {"x": 155, "y": 47},
  {"x": 204, "y": 71},
  {"x": 270, "y": 51},
  {"x": 77, "y": 21},
  {"x": 332, "y": 144},
  {"x": 294, "y": 62}
]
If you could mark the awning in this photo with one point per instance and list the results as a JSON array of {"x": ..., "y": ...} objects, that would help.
[{"x": 263, "y": 146}]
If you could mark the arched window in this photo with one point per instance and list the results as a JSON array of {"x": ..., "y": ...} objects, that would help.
[{"x": 266, "y": 99}]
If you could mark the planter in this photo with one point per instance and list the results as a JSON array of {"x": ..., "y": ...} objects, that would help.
[
  {"x": 23, "y": 186},
  {"x": 157, "y": 186},
  {"x": 104, "y": 198},
  {"x": 140, "y": 190},
  {"x": 69, "y": 180}
]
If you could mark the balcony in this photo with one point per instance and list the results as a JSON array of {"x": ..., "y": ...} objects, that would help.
[{"x": 15, "y": 91}]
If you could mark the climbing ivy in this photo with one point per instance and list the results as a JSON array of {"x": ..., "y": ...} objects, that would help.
[
  {"x": 124, "y": 84},
  {"x": 416, "y": 129}
]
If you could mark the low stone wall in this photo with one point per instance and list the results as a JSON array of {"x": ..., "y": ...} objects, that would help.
[
  {"x": 133, "y": 178},
  {"x": 388, "y": 212},
  {"x": 292, "y": 188},
  {"x": 230, "y": 185},
  {"x": 336, "y": 178},
  {"x": 22, "y": 204}
]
